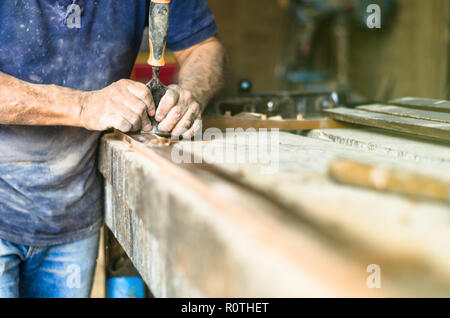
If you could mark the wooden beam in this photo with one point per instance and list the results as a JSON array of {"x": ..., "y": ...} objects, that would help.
[
  {"x": 423, "y": 103},
  {"x": 195, "y": 234},
  {"x": 191, "y": 232},
  {"x": 408, "y": 125},
  {"x": 407, "y": 112}
]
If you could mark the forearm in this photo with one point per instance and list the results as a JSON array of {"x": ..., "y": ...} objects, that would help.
[
  {"x": 202, "y": 70},
  {"x": 23, "y": 103}
]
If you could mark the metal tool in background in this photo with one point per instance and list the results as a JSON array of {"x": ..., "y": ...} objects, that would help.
[
  {"x": 285, "y": 110},
  {"x": 159, "y": 13},
  {"x": 285, "y": 104}
]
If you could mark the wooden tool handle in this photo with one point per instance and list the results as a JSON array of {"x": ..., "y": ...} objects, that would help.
[{"x": 158, "y": 26}]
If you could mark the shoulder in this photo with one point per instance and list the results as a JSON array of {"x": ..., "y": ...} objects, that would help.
[{"x": 191, "y": 22}]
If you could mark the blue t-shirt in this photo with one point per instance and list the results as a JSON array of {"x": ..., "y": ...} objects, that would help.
[{"x": 50, "y": 190}]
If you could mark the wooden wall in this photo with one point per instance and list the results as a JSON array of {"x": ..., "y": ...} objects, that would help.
[
  {"x": 411, "y": 58},
  {"x": 412, "y": 55},
  {"x": 252, "y": 32}
]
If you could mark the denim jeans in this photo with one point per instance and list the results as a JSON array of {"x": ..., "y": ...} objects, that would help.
[{"x": 57, "y": 271}]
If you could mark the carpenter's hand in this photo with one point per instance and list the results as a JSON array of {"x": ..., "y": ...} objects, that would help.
[
  {"x": 125, "y": 105},
  {"x": 179, "y": 112}
]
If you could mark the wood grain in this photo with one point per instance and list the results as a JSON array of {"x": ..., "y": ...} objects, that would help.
[
  {"x": 189, "y": 231},
  {"x": 194, "y": 234},
  {"x": 423, "y": 103},
  {"x": 393, "y": 144},
  {"x": 408, "y": 125},
  {"x": 391, "y": 230},
  {"x": 223, "y": 122},
  {"x": 407, "y": 112}
]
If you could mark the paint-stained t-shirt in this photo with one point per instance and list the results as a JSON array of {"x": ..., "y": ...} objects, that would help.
[{"x": 50, "y": 189}]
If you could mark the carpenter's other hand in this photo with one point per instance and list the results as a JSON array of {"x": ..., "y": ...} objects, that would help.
[
  {"x": 179, "y": 113},
  {"x": 125, "y": 105}
]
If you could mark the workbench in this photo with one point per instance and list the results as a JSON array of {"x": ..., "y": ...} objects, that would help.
[{"x": 236, "y": 230}]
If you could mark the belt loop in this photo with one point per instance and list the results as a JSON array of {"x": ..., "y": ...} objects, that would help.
[{"x": 29, "y": 252}]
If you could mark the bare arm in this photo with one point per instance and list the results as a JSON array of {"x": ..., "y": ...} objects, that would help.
[
  {"x": 202, "y": 69},
  {"x": 201, "y": 77},
  {"x": 22, "y": 103},
  {"x": 124, "y": 105}
]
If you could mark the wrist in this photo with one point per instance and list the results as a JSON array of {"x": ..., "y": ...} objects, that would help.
[
  {"x": 65, "y": 102},
  {"x": 197, "y": 94},
  {"x": 73, "y": 101},
  {"x": 78, "y": 108}
]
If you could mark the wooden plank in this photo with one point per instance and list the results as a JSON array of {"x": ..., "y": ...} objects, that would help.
[
  {"x": 390, "y": 180},
  {"x": 408, "y": 125},
  {"x": 407, "y": 112},
  {"x": 388, "y": 143},
  {"x": 223, "y": 122},
  {"x": 423, "y": 103}
]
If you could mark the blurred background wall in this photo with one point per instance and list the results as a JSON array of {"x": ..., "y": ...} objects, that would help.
[
  {"x": 253, "y": 34},
  {"x": 325, "y": 44}
]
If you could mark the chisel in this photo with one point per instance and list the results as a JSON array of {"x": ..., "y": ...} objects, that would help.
[{"x": 158, "y": 27}]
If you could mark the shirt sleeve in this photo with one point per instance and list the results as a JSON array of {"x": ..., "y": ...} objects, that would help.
[{"x": 191, "y": 22}]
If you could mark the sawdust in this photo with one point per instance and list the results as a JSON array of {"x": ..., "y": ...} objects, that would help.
[{"x": 160, "y": 142}]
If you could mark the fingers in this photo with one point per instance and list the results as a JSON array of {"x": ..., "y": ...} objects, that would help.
[
  {"x": 169, "y": 100},
  {"x": 138, "y": 99},
  {"x": 139, "y": 108},
  {"x": 124, "y": 105},
  {"x": 177, "y": 111},
  {"x": 174, "y": 116},
  {"x": 142, "y": 92},
  {"x": 187, "y": 121},
  {"x": 118, "y": 122},
  {"x": 125, "y": 113},
  {"x": 193, "y": 130},
  {"x": 131, "y": 103}
]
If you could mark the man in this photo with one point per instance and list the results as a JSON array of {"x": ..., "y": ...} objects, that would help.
[{"x": 63, "y": 70}]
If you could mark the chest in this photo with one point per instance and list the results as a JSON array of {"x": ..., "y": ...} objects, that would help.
[{"x": 40, "y": 39}]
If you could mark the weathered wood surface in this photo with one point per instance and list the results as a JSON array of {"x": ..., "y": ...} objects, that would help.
[
  {"x": 196, "y": 235},
  {"x": 423, "y": 103},
  {"x": 295, "y": 226},
  {"x": 408, "y": 125},
  {"x": 393, "y": 144},
  {"x": 223, "y": 122},
  {"x": 407, "y": 112},
  {"x": 390, "y": 230}
]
